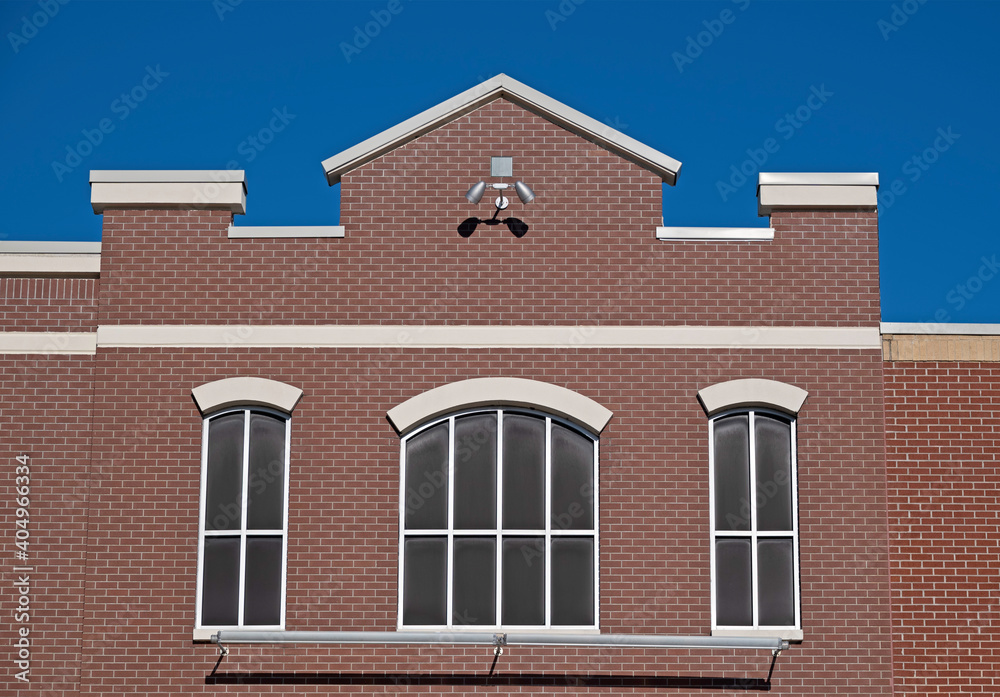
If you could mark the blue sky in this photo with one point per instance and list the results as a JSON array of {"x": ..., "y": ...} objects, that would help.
[{"x": 906, "y": 88}]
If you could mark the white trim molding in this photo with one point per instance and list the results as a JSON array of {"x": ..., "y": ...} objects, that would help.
[
  {"x": 285, "y": 232},
  {"x": 752, "y": 392},
  {"x": 53, "y": 343},
  {"x": 940, "y": 328},
  {"x": 499, "y": 392},
  {"x": 246, "y": 391},
  {"x": 786, "y": 634},
  {"x": 503, "y": 86},
  {"x": 726, "y": 234},
  {"x": 46, "y": 265},
  {"x": 169, "y": 189},
  {"x": 816, "y": 190},
  {"x": 481, "y": 336}
]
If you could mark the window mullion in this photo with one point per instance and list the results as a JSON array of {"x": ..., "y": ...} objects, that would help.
[
  {"x": 243, "y": 513},
  {"x": 753, "y": 520},
  {"x": 450, "y": 556},
  {"x": 499, "y": 520},
  {"x": 548, "y": 522}
]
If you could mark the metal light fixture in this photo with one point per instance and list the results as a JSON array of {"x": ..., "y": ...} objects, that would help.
[
  {"x": 501, "y": 166},
  {"x": 524, "y": 192},
  {"x": 475, "y": 193}
]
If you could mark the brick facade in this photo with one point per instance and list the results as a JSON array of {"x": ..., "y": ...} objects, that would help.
[{"x": 115, "y": 436}]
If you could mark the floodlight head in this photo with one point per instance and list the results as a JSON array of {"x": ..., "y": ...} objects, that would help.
[
  {"x": 475, "y": 194},
  {"x": 523, "y": 192}
]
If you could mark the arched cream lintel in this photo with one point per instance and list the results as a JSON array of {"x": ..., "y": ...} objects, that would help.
[
  {"x": 514, "y": 392},
  {"x": 752, "y": 392},
  {"x": 259, "y": 392}
]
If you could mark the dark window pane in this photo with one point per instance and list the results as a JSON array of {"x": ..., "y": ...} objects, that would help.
[
  {"x": 266, "y": 488},
  {"x": 573, "y": 580},
  {"x": 734, "y": 596},
  {"x": 732, "y": 473},
  {"x": 425, "y": 576},
  {"x": 476, "y": 471},
  {"x": 474, "y": 591},
  {"x": 776, "y": 578},
  {"x": 572, "y": 480},
  {"x": 774, "y": 472},
  {"x": 224, "y": 485},
  {"x": 262, "y": 599},
  {"x": 523, "y": 592},
  {"x": 427, "y": 479},
  {"x": 220, "y": 588},
  {"x": 523, "y": 472}
]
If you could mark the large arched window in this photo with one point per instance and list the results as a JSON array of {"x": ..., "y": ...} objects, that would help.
[{"x": 499, "y": 522}]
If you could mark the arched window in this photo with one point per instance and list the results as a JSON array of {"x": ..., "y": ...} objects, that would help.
[
  {"x": 243, "y": 511},
  {"x": 754, "y": 506},
  {"x": 499, "y": 522}
]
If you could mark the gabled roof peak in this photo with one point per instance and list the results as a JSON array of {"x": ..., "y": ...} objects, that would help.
[{"x": 503, "y": 86}]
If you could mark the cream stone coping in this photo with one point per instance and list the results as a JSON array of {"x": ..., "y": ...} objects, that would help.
[
  {"x": 727, "y": 234},
  {"x": 459, "y": 336},
  {"x": 246, "y": 391},
  {"x": 816, "y": 190},
  {"x": 285, "y": 232},
  {"x": 48, "y": 343},
  {"x": 517, "y": 392},
  {"x": 50, "y": 265},
  {"x": 667, "y": 168},
  {"x": 752, "y": 392},
  {"x": 168, "y": 189}
]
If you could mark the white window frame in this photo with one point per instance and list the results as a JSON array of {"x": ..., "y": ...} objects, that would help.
[
  {"x": 789, "y": 631},
  {"x": 548, "y": 532},
  {"x": 242, "y": 532}
]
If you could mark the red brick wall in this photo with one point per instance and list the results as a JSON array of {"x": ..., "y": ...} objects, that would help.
[
  {"x": 590, "y": 255},
  {"x": 342, "y": 570},
  {"x": 45, "y": 413},
  {"x": 48, "y": 304},
  {"x": 942, "y": 440}
]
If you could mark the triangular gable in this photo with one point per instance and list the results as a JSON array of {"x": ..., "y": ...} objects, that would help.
[{"x": 532, "y": 100}]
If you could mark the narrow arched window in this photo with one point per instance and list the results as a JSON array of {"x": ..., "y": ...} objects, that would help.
[
  {"x": 499, "y": 522},
  {"x": 244, "y": 520},
  {"x": 754, "y": 514}
]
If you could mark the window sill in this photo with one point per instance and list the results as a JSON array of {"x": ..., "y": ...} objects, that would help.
[
  {"x": 203, "y": 635},
  {"x": 786, "y": 634}
]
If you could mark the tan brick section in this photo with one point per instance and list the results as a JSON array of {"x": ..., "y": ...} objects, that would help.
[
  {"x": 936, "y": 347},
  {"x": 942, "y": 442}
]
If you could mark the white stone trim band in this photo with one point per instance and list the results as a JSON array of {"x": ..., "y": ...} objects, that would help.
[
  {"x": 940, "y": 328},
  {"x": 459, "y": 336},
  {"x": 728, "y": 234},
  {"x": 517, "y": 392},
  {"x": 752, "y": 392},
  {"x": 56, "y": 343},
  {"x": 285, "y": 232},
  {"x": 246, "y": 391},
  {"x": 59, "y": 265}
]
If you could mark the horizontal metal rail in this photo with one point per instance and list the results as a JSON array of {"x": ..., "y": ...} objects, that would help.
[{"x": 240, "y": 636}]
